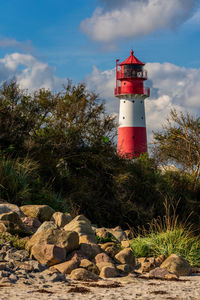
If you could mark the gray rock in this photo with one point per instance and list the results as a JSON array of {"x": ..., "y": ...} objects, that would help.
[{"x": 8, "y": 207}]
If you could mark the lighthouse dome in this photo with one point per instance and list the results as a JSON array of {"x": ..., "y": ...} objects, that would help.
[{"x": 132, "y": 60}]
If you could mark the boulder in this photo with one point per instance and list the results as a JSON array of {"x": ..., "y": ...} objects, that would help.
[
  {"x": 67, "y": 267},
  {"x": 76, "y": 255},
  {"x": 12, "y": 222},
  {"x": 118, "y": 233},
  {"x": 8, "y": 207},
  {"x": 147, "y": 264},
  {"x": 112, "y": 250},
  {"x": 64, "y": 239},
  {"x": 90, "y": 266},
  {"x": 101, "y": 265},
  {"x": 159, "y": 273},
  {"x": 177, "y": 264},
  {"x": 90, "y": 250},
  {"x": 83, "y": 274},
  {"x": 102, "y": 257},
  {"x": 109, "y": 272},
  {"x": 48, "y": 254},
  {"x": 40, "y": 212},
  {"x": 46, "y": 225},
  {"x": 124, "y": 268},
  {"x": 125, "y": 256},
  {"x": 106, "y": 245},
  {"x": 31, "y": 224},
  {"x": 61, "y": 219},
  {"x": 82, "y": 226},
  {"x": 125, "y": 244}
]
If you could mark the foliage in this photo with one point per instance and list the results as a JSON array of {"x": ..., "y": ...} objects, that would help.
[
  {"x": 166, "y": 236},
  {"x": 179, "y": 143},
  {"x": 17, "y": 242}
]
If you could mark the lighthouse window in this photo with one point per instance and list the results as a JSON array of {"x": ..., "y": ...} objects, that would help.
[
  {"x": 133, "y": 137},
  {"x": 133, "y": 101},
  {"x": 142, "y": 118}
]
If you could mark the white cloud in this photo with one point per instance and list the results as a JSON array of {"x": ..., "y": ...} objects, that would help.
[
  {"x": 134, "y": 18},
  {"x": 171, "y": 87},
  {"x": 29, "y": 72}
]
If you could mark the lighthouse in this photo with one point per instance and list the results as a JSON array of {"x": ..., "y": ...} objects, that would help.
[{"x": 132, "y": 136}]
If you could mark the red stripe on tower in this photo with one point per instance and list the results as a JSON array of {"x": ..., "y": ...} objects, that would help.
[{"x": 130, "y": 77}]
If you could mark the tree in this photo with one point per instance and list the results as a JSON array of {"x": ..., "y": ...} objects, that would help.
[{"x": 179, "y": 143}]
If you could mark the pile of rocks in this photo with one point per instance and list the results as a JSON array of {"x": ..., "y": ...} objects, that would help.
[{"x": 59, "y": 247}]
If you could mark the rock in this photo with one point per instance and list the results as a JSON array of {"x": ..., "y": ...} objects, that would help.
[
  {"x": 56, "y": 277},
  {"x": 8, "y": 207},
  {"x": 109, "y": 272},
  {"x": 76, "y": 255},
  {"x": 125, "y": 244},
  {"x": 160, "y": 273},
  {"x": 14, "y": 223},
  {"x": 47, "y": 225},
  {"x": 113, "y": 250},
  {"x": 82, "y": 274},
  {"x": 48, "y": 254},
  {"x": 90, "y": 266},
  {"x": 106, "y": 245},
  {"x": 67, "y": 267},
  {"x": 61, "y": 219},
  {"x": 124, "y": 268},
  {"x": 82, "y": 226},
  {"x": 147, "y": 264},
  {"x": 103, "y": 233},
  {"x": 102, "y": 257},
  {"x": 160, "y": 259},
  {"x": 13, "y": 278},
  {"x": 14, "y": 255},
  {"x": 101, "y": 265},
  {"x": 90, "y": 250},
  {"x": 31, "y": 224},
  {"x": 64, "y": 239},
  {"x": 118, "y": 233},
  {"x": 125, "y": 256},
  {"x": 178, "y": 265},
  {"x": 41, "y": 212}
]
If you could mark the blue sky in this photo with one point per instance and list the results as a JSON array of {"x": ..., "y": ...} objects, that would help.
[{"x": 44, "y": 42}]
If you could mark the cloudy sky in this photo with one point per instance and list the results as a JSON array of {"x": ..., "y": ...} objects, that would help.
[{"x": 45, "y": 42}]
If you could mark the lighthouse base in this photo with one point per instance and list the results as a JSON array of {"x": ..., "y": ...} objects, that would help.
[{"x": 132, "y": 141}]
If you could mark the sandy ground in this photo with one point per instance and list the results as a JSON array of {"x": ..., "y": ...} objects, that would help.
[{"x": 131, "y": 288}]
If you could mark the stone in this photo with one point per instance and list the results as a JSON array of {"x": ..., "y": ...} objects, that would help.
[
  {"x": 76, "y": 254},
  {"x": 125, "y": 244},
  {"x": 103, "y": 233},
  {"x": 13, "y": 278},
  {"x": 160, "y": 259},
  {"x": 67, "y": 267},
  {"x": 125, "y": 256},
  {"x": 177, "y": 265},
  {"x": 82, "y": 226},
  {"x": 83, "y": 274},
  {"x": 90, "y": 250},
  {"x": 56, "y": 277},
  {"x": 118, "y": 233},
  {"x": 124, "y": 268},
  {"x": 101, "y": 265},
  {"x": 13, "y": 255},
  {"x": 102, "y": 257},
  {"x": 31, "y": 224},
  {"x": 14, "y": 223},
  {"x": 159, "y": 273},
  {"x": 61, "y": 219},
  {"x": 48, "y": 254},
  {"x": 46, "y": 225},
  {"x": 113, "y": 250},
  {"x": 147, "y": 264},
  {"x": 109, "y": 272},
  {"x": 106, "y": 245},
  {"x": 41, "y": 212},
  {"x": 64, "y": 239},
  {"x": 8, "y": 207},
  {"x": 90, "y": 266}
]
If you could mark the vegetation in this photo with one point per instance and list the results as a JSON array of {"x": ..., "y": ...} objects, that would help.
[
  {"x": 166, "y": 236},
  {"x": 59, "y": 149}
]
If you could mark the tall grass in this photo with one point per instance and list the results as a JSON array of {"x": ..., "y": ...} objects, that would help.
[{"x": 167, "y": 236}]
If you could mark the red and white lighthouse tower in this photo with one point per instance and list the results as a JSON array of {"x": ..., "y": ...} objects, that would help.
[{"x": 130, "y": 77}]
